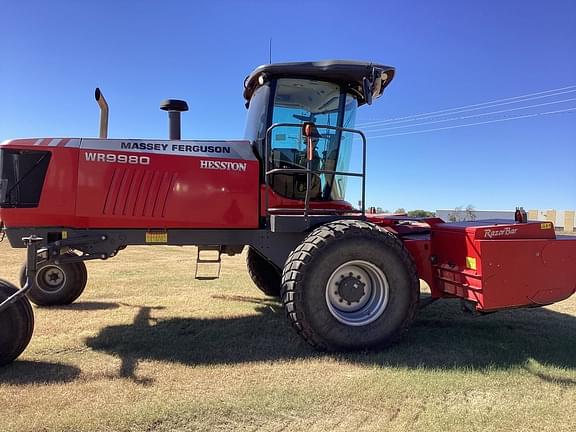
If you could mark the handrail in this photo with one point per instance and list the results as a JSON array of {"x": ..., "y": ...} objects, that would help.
[
  {"x": 300, "y": 170},
  {"x": 308, "y": 171}
]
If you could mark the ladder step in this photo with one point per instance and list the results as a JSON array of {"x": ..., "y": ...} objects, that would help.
[{"x": 206, "y": 258}]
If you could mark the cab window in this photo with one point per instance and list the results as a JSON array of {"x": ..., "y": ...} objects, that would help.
[{"x": 324, "y": 103}]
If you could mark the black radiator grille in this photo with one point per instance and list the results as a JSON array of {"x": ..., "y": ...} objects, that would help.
[{"x": 22, "y": 174}]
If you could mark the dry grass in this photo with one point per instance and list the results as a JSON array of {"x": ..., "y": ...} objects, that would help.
[{"x": 147, "y": 347}]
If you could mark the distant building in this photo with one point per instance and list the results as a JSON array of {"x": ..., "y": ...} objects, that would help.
[{"x": 564, "y": 220}]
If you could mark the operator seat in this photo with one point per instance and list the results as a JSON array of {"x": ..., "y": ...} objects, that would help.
[{"x": 293, "y": 186}]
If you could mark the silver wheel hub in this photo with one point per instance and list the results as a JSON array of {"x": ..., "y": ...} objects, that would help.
[
  {"x": 51, "y": 278},
  {"x": 357, "y": 293}
]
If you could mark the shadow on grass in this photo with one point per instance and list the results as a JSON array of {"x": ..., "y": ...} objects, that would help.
[
  {"x": 440, "y": 338},
  {"x": 564, "y": 382},
  {"x": 35, "y": 372},
  {"x": 88, "y": 306}
]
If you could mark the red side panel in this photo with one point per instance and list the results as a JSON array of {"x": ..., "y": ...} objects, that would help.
[
  {"x": 143, "y": 184},
  {"x": 524, "y": 272},
  {"x": 419, "y": 248},
  {"x": 276, "y": 201},
  {"x": 164, "y": 190}
]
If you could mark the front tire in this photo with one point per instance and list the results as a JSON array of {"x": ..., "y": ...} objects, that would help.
[
  {"x": 16, "y": 325},
  {"x": 350, "y": 285},
  {"x": 56, "y": 284}
]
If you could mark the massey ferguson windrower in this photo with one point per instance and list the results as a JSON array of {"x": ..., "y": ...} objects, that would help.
[{"x": 347, "y": 279}]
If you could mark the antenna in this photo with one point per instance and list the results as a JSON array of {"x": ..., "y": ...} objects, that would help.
[{"x": 270, "y": 51}]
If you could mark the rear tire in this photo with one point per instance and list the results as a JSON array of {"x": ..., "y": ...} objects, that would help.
[
  {"x": 56, "y": 284},
  {"x": 350, "y": 285},
  {"x": 265, "y": 275},
  {"x": 16, "y": 325}
]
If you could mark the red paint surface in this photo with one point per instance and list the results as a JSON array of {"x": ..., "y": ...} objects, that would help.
[
  {"x": 171, "y": 192},
  {"x": 527, "y": 266}
]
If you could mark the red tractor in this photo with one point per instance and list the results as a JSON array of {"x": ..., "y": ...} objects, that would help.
[{"x": 347, "y": 279}]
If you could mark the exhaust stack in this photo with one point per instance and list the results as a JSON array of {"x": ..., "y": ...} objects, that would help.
[
  {"x": 174, "y": 108},
  {"x": 103, "y": 113}
]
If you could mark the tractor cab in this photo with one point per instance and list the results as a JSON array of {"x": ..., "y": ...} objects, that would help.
[{"x": 285, "y": 100}]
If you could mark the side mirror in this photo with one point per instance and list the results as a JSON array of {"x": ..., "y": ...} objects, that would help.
[
  {"x": 310, "y": 132},
  {"x": 367, "y": 87}
]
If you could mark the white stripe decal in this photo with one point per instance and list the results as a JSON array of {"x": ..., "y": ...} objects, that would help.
[
  {"x": 212, "y": 149},
  {"x": 74, "y": 143},
  {"x": 38, "y": 141},
  {"x": 54, "y": 142}
]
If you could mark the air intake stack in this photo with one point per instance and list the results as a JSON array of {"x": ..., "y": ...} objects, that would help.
[{"x": 174, "y": 108}]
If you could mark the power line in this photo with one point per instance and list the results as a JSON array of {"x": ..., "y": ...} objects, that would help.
[
  {"x": 473, "y": 115},
  {"x": 474, "y": 124},
  {"x": 413, "y": 116},
  {"x": 478, "y": 106},
  {"x": 459, "y": 111}
]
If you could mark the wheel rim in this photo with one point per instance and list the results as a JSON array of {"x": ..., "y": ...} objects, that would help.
[
  {"x": 51, "y": 278},
  {"x": 357, "y": 293}
]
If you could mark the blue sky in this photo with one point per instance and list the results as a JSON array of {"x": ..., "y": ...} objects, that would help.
[{"x": 447, "y": 54}]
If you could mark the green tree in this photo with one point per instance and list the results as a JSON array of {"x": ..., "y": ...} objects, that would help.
[
  {"x": 420, "y": 213},
  {"x": 462, "y": 214},
  {"x": 470, "y": 215}
]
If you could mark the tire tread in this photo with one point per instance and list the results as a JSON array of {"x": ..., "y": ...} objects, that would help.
[
  {"x": 24, "y": 315},
  {"x": 265, "y": 276},
  {"x": 79, "y": 276}
]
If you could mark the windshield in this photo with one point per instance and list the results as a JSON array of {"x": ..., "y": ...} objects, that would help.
[
  {"x": 324, "y": 103},
  {"x": 257, "y": 115}
]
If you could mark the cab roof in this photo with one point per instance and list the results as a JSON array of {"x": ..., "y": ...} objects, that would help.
[{"x": 345, "y": 72}]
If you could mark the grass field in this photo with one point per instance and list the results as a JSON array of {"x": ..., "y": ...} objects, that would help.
[{"x": 148, "y": 348}]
